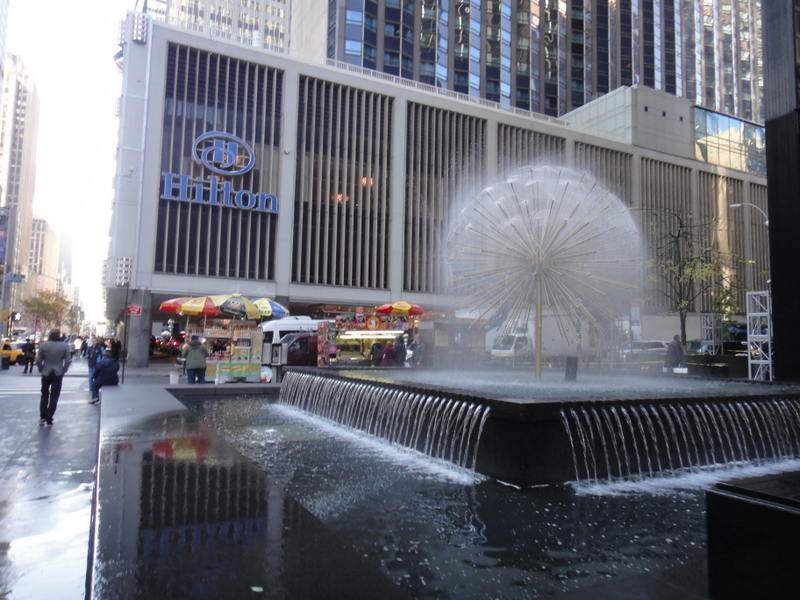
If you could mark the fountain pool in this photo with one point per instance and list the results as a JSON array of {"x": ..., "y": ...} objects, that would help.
[{"x": 440, "y": 532}]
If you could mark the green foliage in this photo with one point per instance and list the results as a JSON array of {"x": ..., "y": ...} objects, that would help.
[
  {"x": 48, "y": 307},
  {"x": 726, "y": 305},
  {"x": 685, "y": 261}
]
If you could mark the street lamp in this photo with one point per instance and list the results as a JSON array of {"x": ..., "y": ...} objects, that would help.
[{"x": 758, "y": 208}]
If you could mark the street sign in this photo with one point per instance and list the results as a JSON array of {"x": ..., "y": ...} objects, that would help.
[{"x": 134, "y": 309}]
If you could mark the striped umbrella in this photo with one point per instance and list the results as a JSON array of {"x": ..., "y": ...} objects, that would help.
[
  {"x": 401, "y": 308},
  {"x": 270, "y": 308},
  {"x": 231, "y": 305}
]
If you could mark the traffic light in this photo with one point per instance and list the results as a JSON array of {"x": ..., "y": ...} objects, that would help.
[
  {"x": 17, "y": 316},
  {"x": 5, "y": 315}
]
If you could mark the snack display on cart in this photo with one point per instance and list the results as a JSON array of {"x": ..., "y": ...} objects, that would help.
[{"x": 242, "y": 360}]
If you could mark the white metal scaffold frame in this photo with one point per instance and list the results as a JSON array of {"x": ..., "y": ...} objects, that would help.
[{"x": 759, "y": 336}]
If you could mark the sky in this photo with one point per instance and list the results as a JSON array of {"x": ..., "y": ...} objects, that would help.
[{"x": 68, "y": 49}]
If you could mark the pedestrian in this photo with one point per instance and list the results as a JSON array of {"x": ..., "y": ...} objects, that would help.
[
  {"x": 116, "y": 348},
  {"x": 387, "y": 356},
  {"x": 674, "y": 356},
  {"x": 29, "y": 350},
  {"x": 418, "y": 357},
  {"x": 105, "y": 373},
  {"x": 53, "y": 361},
  {"x": 195, "y": 354},
  {"x": 94, "y": 353},
  {"x": 399, "y": 352},
  {"x": 375, "y": 353}
]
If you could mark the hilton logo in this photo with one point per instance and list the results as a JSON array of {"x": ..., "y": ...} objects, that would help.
[{"x": 226, "y": 155}]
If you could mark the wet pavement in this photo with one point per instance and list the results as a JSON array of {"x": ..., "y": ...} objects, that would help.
[
  {"x": 46, "y": 485},
  {"x": 133, "y": 498}
]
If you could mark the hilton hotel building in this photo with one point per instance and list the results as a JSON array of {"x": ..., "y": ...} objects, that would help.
[{"x": 319, "y": 183}]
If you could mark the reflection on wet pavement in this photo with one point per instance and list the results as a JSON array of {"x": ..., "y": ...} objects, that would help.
[{"x": 181, "y": 514}]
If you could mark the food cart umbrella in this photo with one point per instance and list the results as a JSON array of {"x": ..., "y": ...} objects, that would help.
[
  {"x": 401, "y": 308},
  {"x": 230, "y": 305},
  {"x": 201, "y": 305},
  {"x": 236, "y": 305},
  {"x": 270, "y": 308}
]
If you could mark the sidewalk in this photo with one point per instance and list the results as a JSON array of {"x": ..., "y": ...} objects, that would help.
[{"x": 47, "y": 477}]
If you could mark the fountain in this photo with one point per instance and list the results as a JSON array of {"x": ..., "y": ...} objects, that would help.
[
  {"x": 551, "y": 241},
  {"x": 545, "y": 240},
  {"x": 526, "y": 431}
]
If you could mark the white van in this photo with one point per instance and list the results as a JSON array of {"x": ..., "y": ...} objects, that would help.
[
  {"x": 276, "y": 329},
  {"x": 516, "y": 346}
]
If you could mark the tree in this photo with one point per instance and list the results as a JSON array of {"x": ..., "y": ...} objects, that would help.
[
  {"x": 727, "y": 306},
  {"x": 685, "y": 263},
  {"x": 50, "y": 308}
]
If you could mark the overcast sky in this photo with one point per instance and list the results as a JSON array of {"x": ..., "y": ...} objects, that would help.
[{"x": 68, "y": 49}]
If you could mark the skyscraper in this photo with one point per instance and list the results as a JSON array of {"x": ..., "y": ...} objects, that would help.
[
  {"x": 546, "y": 56},
  {"x": 551, "y": 56},
  {"x": 18, "y": 132},
  {"x": 255, "y": 22}
]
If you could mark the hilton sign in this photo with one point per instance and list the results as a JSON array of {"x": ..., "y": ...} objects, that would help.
[{"x": 226, "y": 155}]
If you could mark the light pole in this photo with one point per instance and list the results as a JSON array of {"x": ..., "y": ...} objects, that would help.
[{"x": 758, "y": 208}]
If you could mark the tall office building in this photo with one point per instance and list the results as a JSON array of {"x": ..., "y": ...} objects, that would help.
[
  {"x": 551, "y": 56},
  {"x": 18, "y": 133},
  {"x": 3, "y": 28},
  {"x": 546, "y": 56},
  {"x": 255, "y": 22}
]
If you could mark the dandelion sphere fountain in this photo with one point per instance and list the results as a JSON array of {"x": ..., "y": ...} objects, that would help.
[{"x": 545, "y": 240}]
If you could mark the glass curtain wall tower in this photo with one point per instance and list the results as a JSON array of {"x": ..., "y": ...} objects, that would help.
[{"x": 551, "y": 56}]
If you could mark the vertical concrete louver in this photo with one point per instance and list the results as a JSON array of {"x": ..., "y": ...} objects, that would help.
[{"x": 341, "y": 223}]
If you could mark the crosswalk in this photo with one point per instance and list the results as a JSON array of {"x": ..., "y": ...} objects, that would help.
[{"x": 16, "y": 383}]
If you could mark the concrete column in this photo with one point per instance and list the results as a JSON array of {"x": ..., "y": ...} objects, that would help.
[{"x": 139, "y": 330}]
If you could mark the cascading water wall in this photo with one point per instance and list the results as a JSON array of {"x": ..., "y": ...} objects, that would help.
[
  {"x": 442, "y": 427},
  {"x": 614, "y": 441}
]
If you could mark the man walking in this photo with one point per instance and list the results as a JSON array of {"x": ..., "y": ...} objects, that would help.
[
  {"x": 53, "y": 361},
  {"x": 29, "y": 348}
]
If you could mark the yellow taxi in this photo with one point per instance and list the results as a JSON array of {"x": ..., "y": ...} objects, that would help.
[{"x": 14, "y": 352}]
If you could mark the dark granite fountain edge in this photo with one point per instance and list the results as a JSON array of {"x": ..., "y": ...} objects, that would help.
[
  {"x": 522, "y": 409},
  {"x": 525, "y": 442}
]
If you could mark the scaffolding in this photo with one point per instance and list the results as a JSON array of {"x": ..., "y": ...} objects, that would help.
[
  {"x": 759, "y": 336},
  {"x": 711, "y": 332}
]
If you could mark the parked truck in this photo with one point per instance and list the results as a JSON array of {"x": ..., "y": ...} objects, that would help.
[
  {"x": 514, "y": 340},
  {"x": 298, "y": 336}
]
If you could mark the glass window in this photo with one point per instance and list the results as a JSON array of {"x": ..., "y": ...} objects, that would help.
[
  {"x": 354, "y": 17},
  {"x": 352, "y": 48}
]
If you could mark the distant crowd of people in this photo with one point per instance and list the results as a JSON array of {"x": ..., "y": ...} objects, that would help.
[{"x": 396, "y": 354}]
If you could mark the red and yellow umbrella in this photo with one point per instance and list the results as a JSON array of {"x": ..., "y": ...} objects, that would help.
[
  {"x": 401, "y": 308},
  {"x": 230, "y": 305}
]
